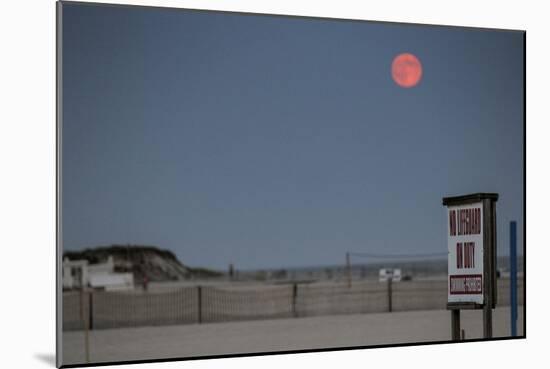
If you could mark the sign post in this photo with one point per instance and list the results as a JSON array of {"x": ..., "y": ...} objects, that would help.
[{"x": 471, "y": 242}]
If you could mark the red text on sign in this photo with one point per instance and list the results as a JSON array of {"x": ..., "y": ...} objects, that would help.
[{"x": 465, "y": 255}]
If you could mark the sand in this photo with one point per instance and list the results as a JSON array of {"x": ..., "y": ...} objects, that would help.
[{"x": 194, "y": 340}]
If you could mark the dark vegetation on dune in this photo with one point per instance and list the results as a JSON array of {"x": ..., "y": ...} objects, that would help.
[{"x": 144, "y": 262}]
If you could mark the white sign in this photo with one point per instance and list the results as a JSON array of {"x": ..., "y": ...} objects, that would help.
[
  {"x": 385, "y": 275},
  {"x": 465, "y": 243}
]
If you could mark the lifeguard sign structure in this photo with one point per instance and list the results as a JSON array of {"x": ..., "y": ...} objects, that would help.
[{"x": 471, "y": 241}]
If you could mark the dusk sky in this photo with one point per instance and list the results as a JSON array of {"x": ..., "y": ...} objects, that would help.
[{"x": 269, "y": 141}]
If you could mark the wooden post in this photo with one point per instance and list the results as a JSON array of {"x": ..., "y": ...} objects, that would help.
[
  {"x": 487, "y": 321},
  {"x": 455, "y": 324},
  {"x": 294, "y": 298},
  {"x": 390, "y": 307},
  {"x": 85, "y": 321},
  {"x": 199, "y": 293},
  {"x": 348, "y": 267},
  {"x": 90, "y": 310},
  {"x": 494, "y": 255},
  {"x": 488, "y": 271}
]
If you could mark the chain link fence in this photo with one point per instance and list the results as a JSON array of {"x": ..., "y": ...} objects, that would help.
[{"x": 209, "y": 304}]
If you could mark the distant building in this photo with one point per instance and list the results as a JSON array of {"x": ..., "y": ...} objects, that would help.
[{"x": 79, "y": 273}]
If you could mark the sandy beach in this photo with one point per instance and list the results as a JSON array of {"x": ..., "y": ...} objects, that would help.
[{"x": 195, "y": 340}]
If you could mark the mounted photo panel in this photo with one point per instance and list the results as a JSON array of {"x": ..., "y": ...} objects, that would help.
[{"x": 238, "y": 184}]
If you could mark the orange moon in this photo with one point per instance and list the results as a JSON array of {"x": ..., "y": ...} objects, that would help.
[{"x": 406, "y": 70}]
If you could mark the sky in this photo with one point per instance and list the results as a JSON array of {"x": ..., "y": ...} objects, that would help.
[{"x": 269, "y": 141}]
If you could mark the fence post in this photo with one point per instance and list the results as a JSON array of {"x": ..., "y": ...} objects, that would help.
[
  {"x": 85, "y": 321},
  {"x": 199, "y": 294},
  {"x": 294, "y": 298},
  {"x": 90, "y": 310},
  {"x": 348, "y": 269},
  {"x": 390, "y": 308}
]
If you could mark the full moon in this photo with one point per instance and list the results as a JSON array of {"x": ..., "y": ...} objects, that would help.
[{"x": 406, "y": 70}]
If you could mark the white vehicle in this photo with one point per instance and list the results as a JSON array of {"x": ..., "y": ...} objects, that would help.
[{"x": 386, "y": 274}]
